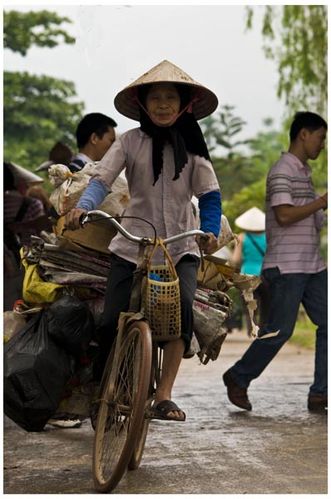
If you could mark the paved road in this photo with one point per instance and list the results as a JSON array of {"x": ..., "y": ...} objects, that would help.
[{"x": 278, "y": 448}]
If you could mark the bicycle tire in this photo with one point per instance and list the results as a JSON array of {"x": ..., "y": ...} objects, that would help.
[
  {"x": 138, "y": 451},
  {"x": 142, "y": 435},
  {"x": 94, "y": 406},
  {"x": 122, "y": 407}
]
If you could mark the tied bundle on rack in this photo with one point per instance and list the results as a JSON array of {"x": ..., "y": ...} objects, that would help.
[
  {"x": 70, "y": 186},
  {"x": 211, "y": 308},
  {"x": 68, "y": 189}
]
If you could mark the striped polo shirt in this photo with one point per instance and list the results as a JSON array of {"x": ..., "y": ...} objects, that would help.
[{"x": 296, "y": 247}]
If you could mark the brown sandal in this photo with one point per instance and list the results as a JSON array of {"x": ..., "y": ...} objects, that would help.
[{"x": 162, "y": 410}]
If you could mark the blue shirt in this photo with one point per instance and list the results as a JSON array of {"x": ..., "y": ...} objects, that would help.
[{"x": 253, "y": 250}]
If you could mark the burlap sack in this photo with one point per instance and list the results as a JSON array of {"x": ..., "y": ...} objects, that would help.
[{"x": 70, "y": 186}]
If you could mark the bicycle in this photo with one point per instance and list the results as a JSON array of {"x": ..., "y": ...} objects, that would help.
[{"x": 130, "y": 377}]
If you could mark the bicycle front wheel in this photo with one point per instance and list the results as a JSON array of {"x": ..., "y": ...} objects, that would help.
[
  {"x": 142, "y": 435},
  {"x": 122, "y": 407}
]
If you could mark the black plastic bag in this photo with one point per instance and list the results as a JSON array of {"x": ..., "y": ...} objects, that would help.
[
  {"x": 71, "y": 324},
  {"x": 36, "y": 371}
]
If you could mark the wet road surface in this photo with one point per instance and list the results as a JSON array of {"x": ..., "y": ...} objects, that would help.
[{"x": 278, "y": 448}]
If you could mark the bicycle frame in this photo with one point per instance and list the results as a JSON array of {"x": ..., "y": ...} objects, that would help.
[
  {"x": 134, "y": 352},
  {"x": 143, "y": 242}
]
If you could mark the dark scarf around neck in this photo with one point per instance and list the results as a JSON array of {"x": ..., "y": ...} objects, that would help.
[{"x": 184, "y": 136}]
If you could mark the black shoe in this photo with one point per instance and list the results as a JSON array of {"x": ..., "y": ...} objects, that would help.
[
  {"x": 317, "y": 402},
  {"x": 236, "y": 394}
]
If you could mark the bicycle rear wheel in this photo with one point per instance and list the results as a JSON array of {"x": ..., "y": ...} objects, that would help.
[{"x": 122, "y": 407}]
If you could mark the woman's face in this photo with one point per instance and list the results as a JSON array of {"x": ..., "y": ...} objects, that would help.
[{"x": 163, "y": 103}]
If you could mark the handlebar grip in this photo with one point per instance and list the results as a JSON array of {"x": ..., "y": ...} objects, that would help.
[{"x": 83, "y": 219}]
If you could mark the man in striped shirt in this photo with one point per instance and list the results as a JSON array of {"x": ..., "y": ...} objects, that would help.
[{"x": 293, "y": 267}]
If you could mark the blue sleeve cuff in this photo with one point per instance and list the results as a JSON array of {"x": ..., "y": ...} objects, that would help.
[
  {"x": 210, "y": 206},
  {"x": 94, "y": 194}
]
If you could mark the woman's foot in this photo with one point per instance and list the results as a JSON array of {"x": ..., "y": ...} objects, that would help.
[{"x": 167, "y": 410}]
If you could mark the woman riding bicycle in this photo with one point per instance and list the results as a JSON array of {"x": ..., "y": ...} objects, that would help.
[{"x": 166, "y": 162}]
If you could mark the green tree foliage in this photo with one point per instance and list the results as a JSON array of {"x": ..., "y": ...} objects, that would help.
[
  {"x": 37, "y": 113},
  {"x": 238, "y": 163},
  {"x": 296, "y": 37},
  {"x": 263, "y": 151},
  {"x": 221, "y": 130},
  {"x": 23, "y": 30},
  {"x": 38, "y": 110},
  {"x": 246, "y": 198}
]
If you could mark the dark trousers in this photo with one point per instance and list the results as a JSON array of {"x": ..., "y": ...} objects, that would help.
[
  {"x": 117, "y": 299},
  {"x": 287, "y": 291}
]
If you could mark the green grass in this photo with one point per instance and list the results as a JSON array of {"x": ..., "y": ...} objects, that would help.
[{"x": 304, "y": 332}]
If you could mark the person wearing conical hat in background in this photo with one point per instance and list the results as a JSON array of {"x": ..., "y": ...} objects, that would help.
[
  {"x": 166, "y": 162},
  {"x": 17, "y": 180},
  {"x": 23, "y": 216},
  {"x": 19, "y": 206},
  {"x": 249, "y": 252},
  {"x": 293, "y": 267},
  {"x": 23, "y": 178},
  {"x": 26, "y": 213}
]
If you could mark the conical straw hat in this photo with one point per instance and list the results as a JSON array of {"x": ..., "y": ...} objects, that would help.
[
  {"x": 165, "y": 72},
  {"x": 24, "y": 174},
  {"x": 252, "y": 220}
]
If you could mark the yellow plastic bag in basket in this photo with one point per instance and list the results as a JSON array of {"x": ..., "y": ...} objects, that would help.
[
  {"x": 162, "y": 297},
  {"x": 35, "y": 290}
]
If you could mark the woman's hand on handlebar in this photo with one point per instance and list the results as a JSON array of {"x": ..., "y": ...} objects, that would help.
[
  {"x": 207, "y": 242},
  {"x": 73, "y": 218}
]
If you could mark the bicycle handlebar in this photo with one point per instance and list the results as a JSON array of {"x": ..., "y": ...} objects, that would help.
[{"x": 88, "y": 217}]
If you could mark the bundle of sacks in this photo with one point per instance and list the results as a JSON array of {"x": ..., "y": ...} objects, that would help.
[
  {"x": 68, "y": 189},
  {"x": 73, "y": 265},
  {"x": 41, "y": 358},
  {"x": 70, "y": 186},
  {"x": 49, "y": 335}
]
